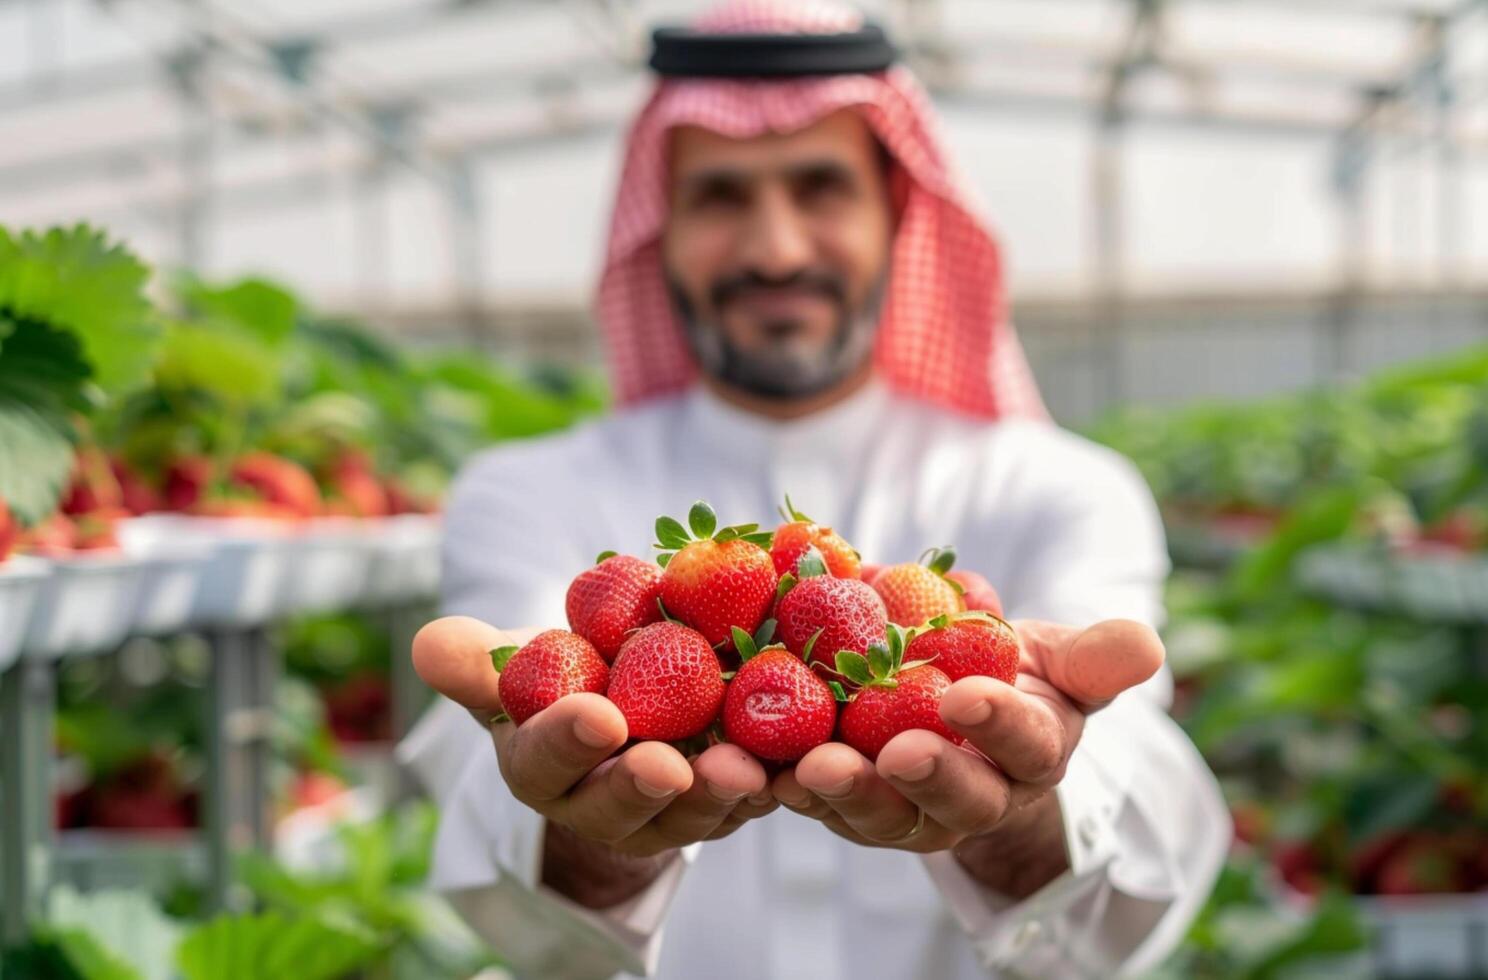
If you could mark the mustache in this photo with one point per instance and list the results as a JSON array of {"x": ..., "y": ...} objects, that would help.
[{"x": 730, "y": 288}]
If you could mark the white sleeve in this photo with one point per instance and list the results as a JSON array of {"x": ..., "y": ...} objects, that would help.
[
  {"x": 504, "y": 563},
  {"x": 1146, "y": 829}
]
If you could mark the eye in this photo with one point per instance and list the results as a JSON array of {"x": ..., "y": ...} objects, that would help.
[
  {"x": 717, "y": 195},
  {"x": 824, "y": 183}
]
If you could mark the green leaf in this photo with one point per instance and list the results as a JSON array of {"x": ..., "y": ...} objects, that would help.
[
  {"x": 665, "y": 614},
  {"x": 727, "y": 534},
  {"x": 501, "y": 656},
  {"x": 43, "y": 381},
  {"x": 790, "y": 513},
  {"x": 761, "y": 538},
  {"x": 230, "y": 366},
  {"x": 811, "y": 644},
  {"x": 896, "y": 641},
  {"x": 838, "y": 692},
  {"x": 75, "y": 281},
  {"x": 880, "y": 662},
  {"x": 257, "y": 307},
  {"x": 604, "y": 555},
  {"x": 764, "y": 634},
  {"x": 743, "y": 644},
  {"x": 271, "y": 946},
  {"x": 135, "y": 934},
  {"x": 670, "y": 533},
  {"x": 942, "y": 560},
  {"x": 940, "y": 622},
  {"x": 702, "y": 520},
  {"x": 853, "y": 666},
  {"x": 787, "y": 582},
  {"x": 811, "y": 564},
  {"x": 663, "y": 558}
]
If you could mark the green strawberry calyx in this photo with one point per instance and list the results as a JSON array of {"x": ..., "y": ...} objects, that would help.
[
  {"x": 501, "y": 656},
  {"x": 791, "y": 515},
  {"x": 970, "y": 615},
  {"x": 604, "y": 556},
  {"x": 939, "y": 561},
  {"x": 882, "y": 665},
  {"x": 702, "y": 525},
  {"x": 748, "y": 647}
]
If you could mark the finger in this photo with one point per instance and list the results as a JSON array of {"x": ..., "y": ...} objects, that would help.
[
  {"x": 979, "y": 592},
  {"x": 1093, "y": 665},
  {"x": 621, "y": 796},
  {"x": 852, "y": 787},
  {"x": 544, "y": 757},
  {"x": 1028, "y": 736},
  {"x": 955, "y": 787},
  {"x": 723, "y": 777},
  {"x": 789, "y": 791},
  {"x": 453, "y": 656}
]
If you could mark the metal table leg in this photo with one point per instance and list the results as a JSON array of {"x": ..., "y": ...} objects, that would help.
[
  {"x": 28, "y": 698},
  {"x": 239, "y": 723}
]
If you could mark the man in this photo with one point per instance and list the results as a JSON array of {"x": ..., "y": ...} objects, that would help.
[{"x": 798, "y": 299}]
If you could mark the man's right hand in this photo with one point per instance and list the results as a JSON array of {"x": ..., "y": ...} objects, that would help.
[{"x": 617, "y": 817}]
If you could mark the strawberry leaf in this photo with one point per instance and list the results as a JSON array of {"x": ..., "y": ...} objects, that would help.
[
  {"x": 670, "y": 533},
  {"x": 664, "y": 557},
  {"x": 896, "y": 641},
  {"x": 787, "y": 582},
  {"x": 662, "y": 606},
  {"x": 837, "y": 690},
  {"x": 764, "y": 634},
  {"x": 790, "y": 513},
  {"x": 942, "y": 560},
  {"x": 853, "y": 666},
  {"x": 702, "y": 520},
  {"x": 940, "y": 622},
  {"x": 761, "y": 538},
  {"x": 501, "y": 656},
  {"x": 727, "y": 534},
  {"x": 603, "y": 555},
  {"x": 811, "y": 564},
  {"x": 880, "y": 662},
  {"x": 811, "y": 644},
  {"x": 911, "y": 665},
  {"x": 743, "y": 643}
]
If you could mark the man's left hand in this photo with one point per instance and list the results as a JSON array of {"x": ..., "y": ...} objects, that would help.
[{"x": 925, "y": 794}]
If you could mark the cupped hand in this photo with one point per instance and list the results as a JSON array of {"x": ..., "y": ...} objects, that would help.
[
  {"x": 562, "y": 761},
  {"x": 926, "y": 794}
]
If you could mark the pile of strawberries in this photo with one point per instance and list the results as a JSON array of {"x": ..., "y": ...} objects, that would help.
[{"x": 774, "y": 641}]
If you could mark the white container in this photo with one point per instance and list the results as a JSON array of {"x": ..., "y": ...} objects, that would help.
[
  {"x": 176, "y": 568},
  {"x": 406, "y": 559},
  {"x": 332, "y": 565},
  {"x": 21, "y": 579},
  {"x": 1429, "y": 935},
  {"x": 246, "y": 576},
  {"x": 87, "y": 605}
]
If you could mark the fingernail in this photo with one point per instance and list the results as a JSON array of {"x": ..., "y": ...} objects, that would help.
[
  {"x": 794, "y": 801},
  {"x": 655, "y": 792},
  {"x": 589, "y": 735},
  {"x": 836, "y": 791},
  {"x": 973, "y": 714},
  {"x": 761, "y": 799},
  {"x": 916, "y": 772},
  {"x": 723, "y": 795}
]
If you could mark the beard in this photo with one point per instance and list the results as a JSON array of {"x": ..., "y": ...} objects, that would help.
[{"x": 781, "y": 365}]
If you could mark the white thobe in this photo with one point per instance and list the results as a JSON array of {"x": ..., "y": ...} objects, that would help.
[{"x": 1064, "y": 529}]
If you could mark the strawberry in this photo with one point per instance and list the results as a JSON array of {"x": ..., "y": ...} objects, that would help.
[
  {"x": 799, "y": 534},
  {"x": 10, "y": 530},
  {"x": 353, "y": 482},
  {"x": 93, "y": 487},
  {"x": 776, "y": 707},
  {"x": 820, "y": 615},
  {"x": 916, "y": 593},
  {"x": 138, "y": 495},
  {"x": 553, "y": 664},
  {"x": 52, "y": 538},
  {"x": 967, "y": 644},
  {"x": 186, "y": 481},
  {"x": 713, "y": 582},
  {"x": 892, "y": 696},
  {"x": 617, "y": 595},
  {"x": 278, "y": 481},
  {"x": 667, "y": 682}
]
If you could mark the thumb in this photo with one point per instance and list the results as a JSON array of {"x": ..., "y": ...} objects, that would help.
[
  {"x": 453, "y": 656},
  {"x": 1095, "y": 664}
]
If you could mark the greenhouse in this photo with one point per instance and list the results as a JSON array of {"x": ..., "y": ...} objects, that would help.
[{"x": 743, "y": 488}]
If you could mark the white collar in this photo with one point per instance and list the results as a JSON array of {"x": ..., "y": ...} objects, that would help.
[{"x": 842, "y": 430}]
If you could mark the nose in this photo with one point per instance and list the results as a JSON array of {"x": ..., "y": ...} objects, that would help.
[{"x": 776, "y": 242}]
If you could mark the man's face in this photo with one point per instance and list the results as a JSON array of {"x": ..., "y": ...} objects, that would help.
[{"x": 776, "y": 252}]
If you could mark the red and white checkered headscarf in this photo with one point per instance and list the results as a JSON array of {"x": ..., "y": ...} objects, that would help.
[{"x": 943, "y": 332}]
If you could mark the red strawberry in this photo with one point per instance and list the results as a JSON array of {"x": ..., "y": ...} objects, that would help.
[
  {"x": 667, "y": 682},
  {"x": 915, "y": 593},
  {"x": 892, "y": 697},
  {"x": 93, "y": 487},
  {"x": 969, "y": 644},
  {"x": 9, "y": 530},
  {"x": 553, "y": 664},
  {"x": 846, "y": 613},
  {"x": 976, "y": 591},
  {"x": 713, "y": 582},
  {"x": 354, "y": 483},
  {"x": 606, "y": 602},
  {"x": 799, "y": 534},
  {"x": 139, "y": 496},
  {"x": 776, "y": 707},
  {"x": 186, "y": 481},
  {"x": 52, "y": 538},
  {"x": 278, "y": 481}
]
